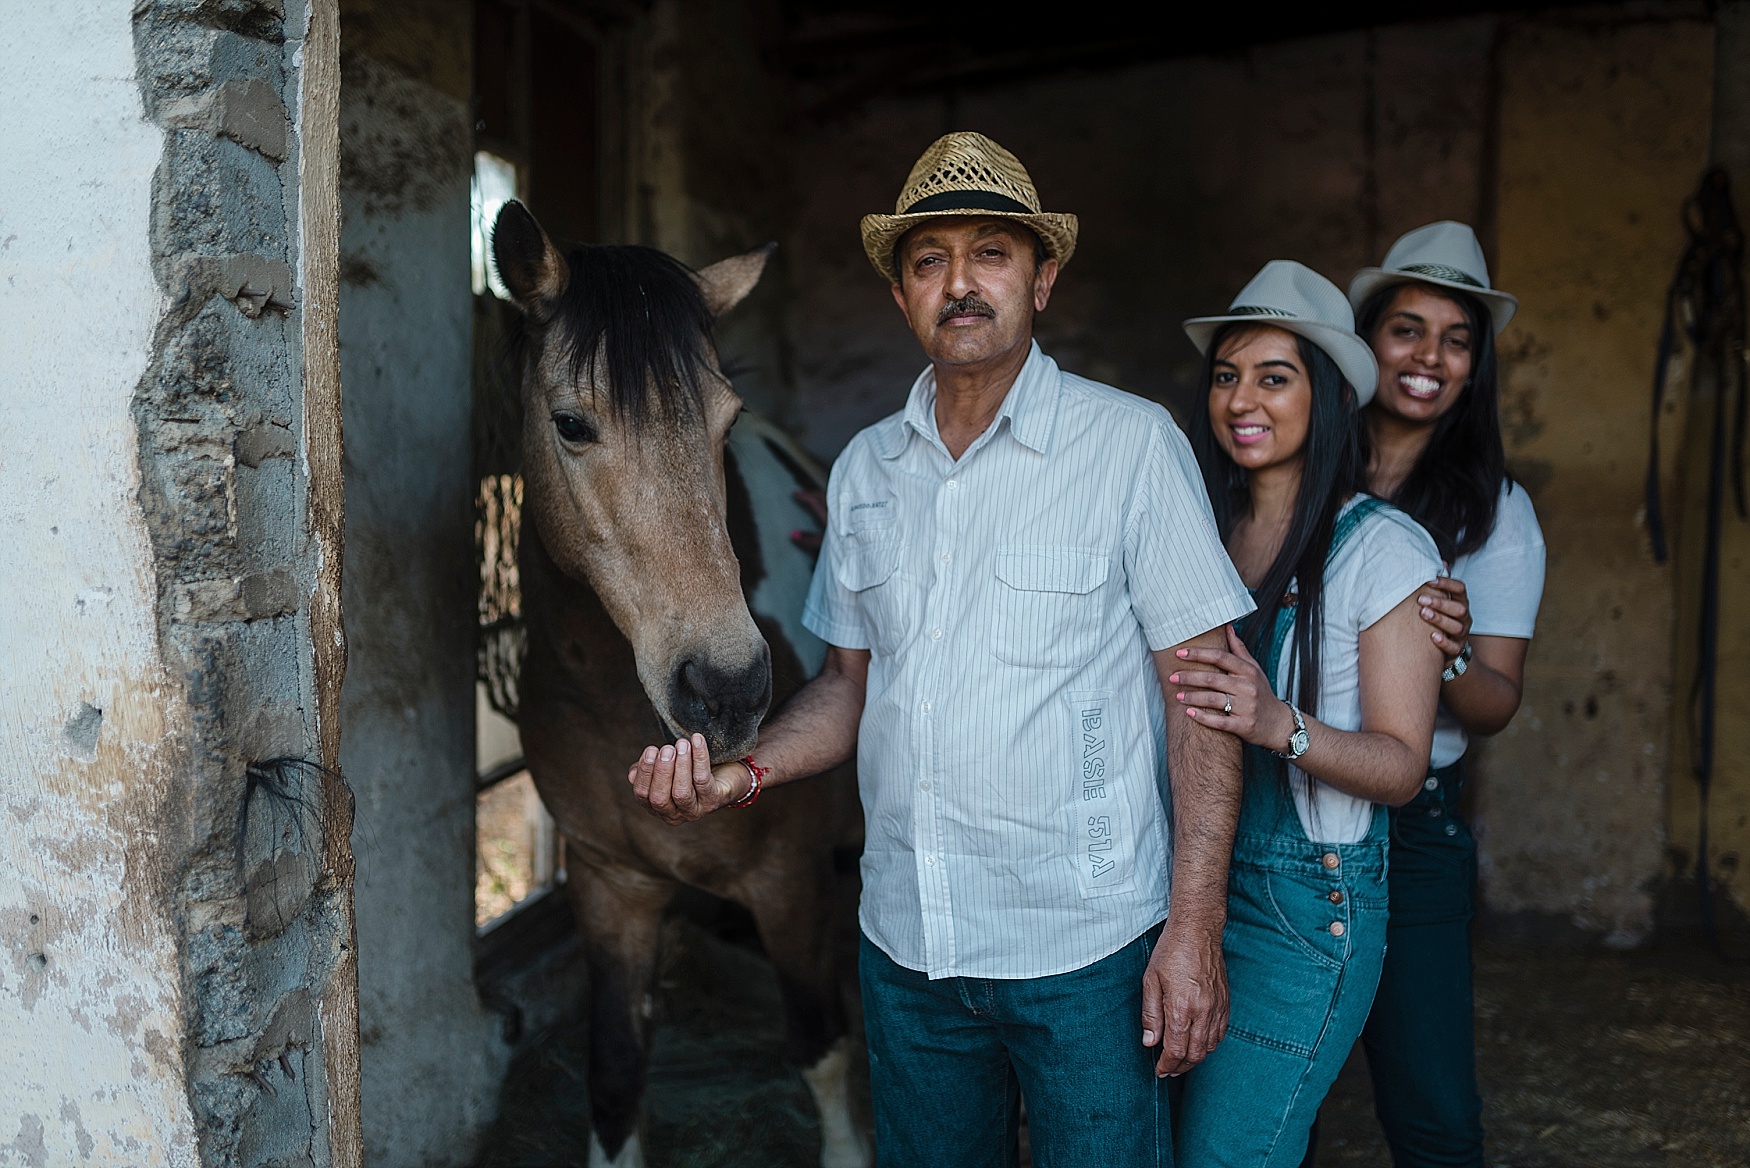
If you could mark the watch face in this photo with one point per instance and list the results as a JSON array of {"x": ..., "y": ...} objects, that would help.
[{"x": 1298, "y": 742}]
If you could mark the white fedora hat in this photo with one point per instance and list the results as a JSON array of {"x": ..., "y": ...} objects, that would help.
[
  {"x": 1292, "y": 296},
  {"x": 1445, "y": 254}
]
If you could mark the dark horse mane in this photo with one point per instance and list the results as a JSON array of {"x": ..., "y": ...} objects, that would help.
[{"x": 636, "y": 315}]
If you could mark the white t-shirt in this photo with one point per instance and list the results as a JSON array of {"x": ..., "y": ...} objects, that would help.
[
  {"x": 1387, "y": 558},
  {"x": 1504, "y": 581}
]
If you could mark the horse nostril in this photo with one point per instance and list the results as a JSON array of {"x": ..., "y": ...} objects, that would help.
[{"x": 699, "y": 686}]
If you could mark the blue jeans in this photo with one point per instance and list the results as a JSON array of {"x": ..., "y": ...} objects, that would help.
[
  {"x": 1304, "y": 944},
  {"x": 950, "y": 1059},
  {"x": 1420, "y": 1041}
]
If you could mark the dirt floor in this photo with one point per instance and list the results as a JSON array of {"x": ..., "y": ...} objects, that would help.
[{"x": 1587, "y": 1058}]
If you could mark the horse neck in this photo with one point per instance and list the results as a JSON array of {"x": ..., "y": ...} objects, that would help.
[{"x": 566, "y": 620}]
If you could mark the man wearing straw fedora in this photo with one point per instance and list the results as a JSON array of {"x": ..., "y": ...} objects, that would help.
[{"x": 1011, "y": 561}]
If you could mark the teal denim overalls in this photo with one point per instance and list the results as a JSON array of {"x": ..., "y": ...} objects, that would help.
[{"x": 1304, "y": 943}]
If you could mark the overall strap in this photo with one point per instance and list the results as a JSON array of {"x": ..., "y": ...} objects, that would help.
[{"x": 1261, "y": 764}]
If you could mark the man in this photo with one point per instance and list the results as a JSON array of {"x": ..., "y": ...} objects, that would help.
[{"x": 1010, "y": 565}]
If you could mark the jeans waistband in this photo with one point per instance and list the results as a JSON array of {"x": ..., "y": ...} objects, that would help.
[{"x": 1441, "y": 788}]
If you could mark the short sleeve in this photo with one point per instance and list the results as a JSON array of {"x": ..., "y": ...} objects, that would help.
[
  {"x": 1393, "y": 558},
  {"x": 1503, "y": 579},
  {"x": 1180, "y": 580},
  {"x": 831, "y": 611}
]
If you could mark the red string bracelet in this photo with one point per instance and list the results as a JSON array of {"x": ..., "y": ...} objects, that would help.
[{"x": 758, "y": 774}]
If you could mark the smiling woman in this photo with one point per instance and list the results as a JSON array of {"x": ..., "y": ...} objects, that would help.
[{"x": 1333, "y": 676}]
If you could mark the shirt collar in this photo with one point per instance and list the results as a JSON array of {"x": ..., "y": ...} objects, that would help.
[{"x": 1030, "y": 407}]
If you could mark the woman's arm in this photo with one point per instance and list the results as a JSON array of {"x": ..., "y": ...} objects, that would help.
[
  {"x": 1385, "y": 760},
  {"x": 1486, "y": 695}
]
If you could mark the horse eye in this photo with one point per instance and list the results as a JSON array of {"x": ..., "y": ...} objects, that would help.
[{"x": 573, "y": 428}]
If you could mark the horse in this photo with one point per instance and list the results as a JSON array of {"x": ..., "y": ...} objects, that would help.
[{"x": 639, "y": 554}]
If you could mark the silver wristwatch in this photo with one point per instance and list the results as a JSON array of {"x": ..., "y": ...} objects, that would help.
[
  {"x": 1459, "y": 664},
  {"x": 1299, "y": 740}
]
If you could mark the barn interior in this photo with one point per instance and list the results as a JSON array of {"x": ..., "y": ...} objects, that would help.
[
  {"x": 1613, "y": 813},
  {"x": 1571, "y": 137}
]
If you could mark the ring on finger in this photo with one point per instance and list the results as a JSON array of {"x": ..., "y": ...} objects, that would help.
[{"x": 1227, "y": 704}]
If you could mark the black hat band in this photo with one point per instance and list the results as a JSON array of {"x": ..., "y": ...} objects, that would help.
[
  {"x": 968, "y": 201},
  {"x": 1442, "y": 272}
]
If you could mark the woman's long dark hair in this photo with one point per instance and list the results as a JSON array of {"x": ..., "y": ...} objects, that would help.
[
  {"x": 1332, "y": 470},
  {"x": 1455, "y": 486}
]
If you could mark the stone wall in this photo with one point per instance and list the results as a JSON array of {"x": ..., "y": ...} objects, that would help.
[{"x": 176, "y": 836}]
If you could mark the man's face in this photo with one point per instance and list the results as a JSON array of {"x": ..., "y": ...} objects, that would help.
[{"x": 969, "y": 287}]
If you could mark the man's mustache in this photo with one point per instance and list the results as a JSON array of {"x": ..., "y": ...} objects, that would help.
[{"x": 965, "y": 306}]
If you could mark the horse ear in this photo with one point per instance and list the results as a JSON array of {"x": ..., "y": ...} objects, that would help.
[
  {"x": 726, "y": 283},
  {"x": 528, "y": 263}
]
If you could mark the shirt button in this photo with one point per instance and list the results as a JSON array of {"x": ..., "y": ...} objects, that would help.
[
  {"x": 1336, "y": 928},
  {"x": 1336, "y": 897},
  {"x": 923, "y": 784},
  {"x": 1452, "y": 829},
  {"x": 925, "y": 707},
  {"x": 1433, "y": 813},
  {"x": 953, "y": 484},
  {"x": 947, "y": 557},
  {"x": 935, "y": 634},
  {"x": 1431, "y": 783},
  {"x": 930, "y": 861},
  {"x": 1329, "y": 860}
]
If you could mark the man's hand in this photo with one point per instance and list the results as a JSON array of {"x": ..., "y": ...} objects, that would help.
[
  {"x": 677, "y": 784},
  {"x": 1184, "y": 997}
]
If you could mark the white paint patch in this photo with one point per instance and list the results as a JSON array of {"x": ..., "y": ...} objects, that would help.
[
  {"x": 842, "y": 1144},
  {"x": 631, "y": 1155},
  {"x": 91, "y": 1066}
]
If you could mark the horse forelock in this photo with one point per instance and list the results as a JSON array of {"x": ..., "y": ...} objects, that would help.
[{"x": 632, "y": 325}]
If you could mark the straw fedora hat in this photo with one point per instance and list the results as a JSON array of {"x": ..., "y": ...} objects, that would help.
[
  {"x": 1292, "y": 296},
  {"x": 1445, "y": 254},
  {"x": 966, "y": 174}
]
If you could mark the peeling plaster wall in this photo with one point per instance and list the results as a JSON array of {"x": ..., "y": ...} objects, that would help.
[
  {"x": 176, "y": 904},
  {"x": 1604, "y": 134},
  {"x": 433, "y": 1058},
  {"x": 91, "y": 997}
]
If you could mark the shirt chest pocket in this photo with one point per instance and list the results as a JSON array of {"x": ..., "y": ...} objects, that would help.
[
  {"x": 869, "y": 566},
  {"x": 1049, "y": 606}
]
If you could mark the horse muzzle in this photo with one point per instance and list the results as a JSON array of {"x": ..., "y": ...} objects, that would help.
[{"x": 726, "y": 705}]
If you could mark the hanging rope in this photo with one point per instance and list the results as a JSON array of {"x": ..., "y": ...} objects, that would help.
[{"x": 1706, "y": 301}]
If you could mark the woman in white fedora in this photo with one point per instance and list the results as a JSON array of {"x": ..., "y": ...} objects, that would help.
[
  {"x": 1331, "y": 685},
  {"x": 1433, "y": 439}
]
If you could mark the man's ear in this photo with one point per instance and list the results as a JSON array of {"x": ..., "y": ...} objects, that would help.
[
  {"x": 528, "y": 263},
  {"x": 726, "y": 283}
]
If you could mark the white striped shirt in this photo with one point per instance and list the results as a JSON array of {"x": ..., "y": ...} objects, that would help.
[{"x": 1012, "y": 756}]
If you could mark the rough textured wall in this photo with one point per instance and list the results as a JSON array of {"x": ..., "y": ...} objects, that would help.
[
  {"x": 94, "y": 725},
  {"x": 1187, "y": 175},
  {"x": 238, "y": 458},
  {"x": 432, "y": 1057},
  {"x": 1603, "y": 135}
]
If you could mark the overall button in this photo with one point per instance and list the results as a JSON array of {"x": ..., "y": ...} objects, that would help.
[
  {"x": 1431, "y": 783},
  {"x": 1433, "y": 813},
  {"x": 1452, "y": 829},
  {"x": 1336, "y": 897},
  {"x": 1336, "y": 928},
  {"x": 1329, "y": 860}
]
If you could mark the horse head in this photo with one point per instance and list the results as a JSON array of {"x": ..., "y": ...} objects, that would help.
[{"x": 625, "y": 414}]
